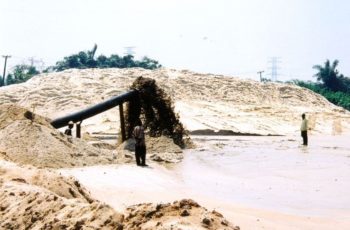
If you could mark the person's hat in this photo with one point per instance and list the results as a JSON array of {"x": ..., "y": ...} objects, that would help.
[{"x": 70, "y": 123}]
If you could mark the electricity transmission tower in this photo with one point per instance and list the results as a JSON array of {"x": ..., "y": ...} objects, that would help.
[
  {"x": 274, "y": 67},
  {"x": 38, "y": 63},
  {"x": 129, "y": 50}
]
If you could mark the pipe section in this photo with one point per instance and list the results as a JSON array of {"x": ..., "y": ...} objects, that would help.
[{"x": 94, "y": 110}]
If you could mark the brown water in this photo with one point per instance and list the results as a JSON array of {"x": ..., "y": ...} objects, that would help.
[{"x": 275, "y": 174}]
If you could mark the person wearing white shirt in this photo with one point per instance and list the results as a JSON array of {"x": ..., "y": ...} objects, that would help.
[{"x": 304, "y": 128}]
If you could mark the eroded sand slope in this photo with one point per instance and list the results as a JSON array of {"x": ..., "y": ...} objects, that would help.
[{"x": 204, "y": 101}]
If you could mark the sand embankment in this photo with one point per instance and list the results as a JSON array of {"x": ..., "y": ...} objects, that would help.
[
  {"x": 42, "y": 199},
  {"x": 28, "y": 138},
  {"x": 206, "y": 103},
  {"x": 34, "y": 198}
]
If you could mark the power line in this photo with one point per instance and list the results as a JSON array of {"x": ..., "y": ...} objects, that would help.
[{"x": 4, "y": 74}]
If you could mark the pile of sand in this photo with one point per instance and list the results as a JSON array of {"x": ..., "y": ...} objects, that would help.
[
  {"x": 183, "y": 214},
  {"x": 40, "y": 199},
  {"x": 28, "y": 138},
  {"x": 205, "y": 102},
  {"x": 34, "y": 198}
]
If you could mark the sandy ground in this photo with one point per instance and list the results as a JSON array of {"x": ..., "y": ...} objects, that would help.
[
  {"x": 256, "y": 182},
  {"x": 205, "y": 102}
]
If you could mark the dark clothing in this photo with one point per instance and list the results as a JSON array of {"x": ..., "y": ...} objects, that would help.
[
  {"x": 304, "y": 135},
  {"x": 140, "y": 154},
  {"x": 140, "y": 145},
  {"x": 68, "y": 132}
]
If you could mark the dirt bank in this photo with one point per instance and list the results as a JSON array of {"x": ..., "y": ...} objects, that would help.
[
  {"x": 40, "y": 199},
  {"x": 203, "y": 101},
  {"x": 28, "y": 138},
  {"x": 34, "y": 198}
]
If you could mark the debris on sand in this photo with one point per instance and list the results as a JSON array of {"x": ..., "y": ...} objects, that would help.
[{"x": 183, "y": 214}]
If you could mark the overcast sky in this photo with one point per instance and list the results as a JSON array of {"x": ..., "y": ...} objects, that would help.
[{"x": 231, "y": 37}]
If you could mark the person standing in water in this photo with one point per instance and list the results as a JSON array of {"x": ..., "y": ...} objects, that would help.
[
  {"x": 303, "y": 129},
  {"x": 140, "y": 144}
]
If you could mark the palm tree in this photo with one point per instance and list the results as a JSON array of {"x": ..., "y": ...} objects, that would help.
[{"x": 329, "y": 75}]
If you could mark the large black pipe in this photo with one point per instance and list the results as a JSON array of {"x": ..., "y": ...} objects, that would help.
[{"x": 93, "y": 110}]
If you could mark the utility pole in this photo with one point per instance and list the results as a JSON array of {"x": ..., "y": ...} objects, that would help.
[
  {"x": 260, "y": 72},
  {"x": 3, "y": 76}
]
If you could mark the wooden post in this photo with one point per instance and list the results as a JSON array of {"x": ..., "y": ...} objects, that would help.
[
  {"x": 78, "y": 130},
  {"x": 122, "y": 124}
]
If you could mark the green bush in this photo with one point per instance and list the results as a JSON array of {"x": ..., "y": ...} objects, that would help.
[{"x": 338, "y": 98}]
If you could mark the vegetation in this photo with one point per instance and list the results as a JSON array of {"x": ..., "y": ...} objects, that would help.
[
  {"x": 21, "y": 73},
  {"x": 333, "y": 86},
  {"x": 337, "y": 98},
  {"x": 330, "y": 77},
  {"x": 86, "y": 59},
  {"x": 81, "y": 60}
]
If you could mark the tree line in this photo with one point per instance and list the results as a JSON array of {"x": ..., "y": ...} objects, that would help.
[
  {"x": 81, "y": 60},
  {"x": 335, "y": 87}
]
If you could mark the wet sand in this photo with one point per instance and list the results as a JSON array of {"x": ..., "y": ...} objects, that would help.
[{"x": 256, "y": 182}]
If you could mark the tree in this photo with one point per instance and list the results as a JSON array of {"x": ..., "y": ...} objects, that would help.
[
  {"x": 148, "y": 63},
  {"x": 82, "y": 60},
  {"x": 114, "y": 61},
  {"x": 330, "y": 77},
  {"x": 21, "y": 73},
  {"x": 86, "y": 59},
  {"x": 102, "y": 61}
]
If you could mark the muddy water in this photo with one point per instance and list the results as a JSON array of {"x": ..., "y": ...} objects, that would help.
[
  {"x": 270, "y": 173},
  {"x": 275, "y": 173}
]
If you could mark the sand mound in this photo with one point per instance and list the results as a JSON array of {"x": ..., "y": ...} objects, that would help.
[
  {"x": 65, "y": 187},
  {"x": 28, "y": 138},
  {"x": 34, "y": 198},
  {"x": 183, "y": 214},
  {"x": 203, "y": 101},
  {"x": 38, "y": 199}
]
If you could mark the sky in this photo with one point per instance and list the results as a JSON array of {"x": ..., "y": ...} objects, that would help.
[{"x": 230, "y": 37}]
